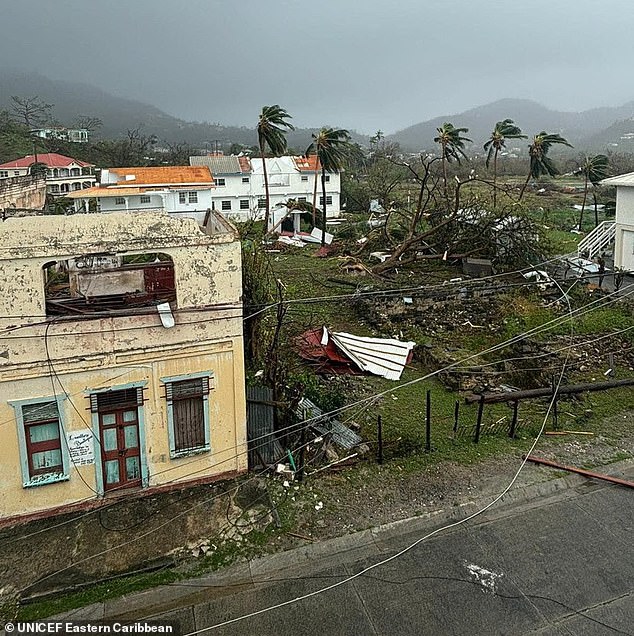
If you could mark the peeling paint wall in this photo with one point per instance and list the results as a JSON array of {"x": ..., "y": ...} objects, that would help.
[
  {"x": 23, "y": 193},
  {"x": 71, "y": 357}
]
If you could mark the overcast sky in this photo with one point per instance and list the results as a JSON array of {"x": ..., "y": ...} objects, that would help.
[{"x": 362, "y": 64}]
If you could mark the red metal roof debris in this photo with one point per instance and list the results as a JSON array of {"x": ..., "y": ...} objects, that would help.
[{"x": 326, "y": 358}]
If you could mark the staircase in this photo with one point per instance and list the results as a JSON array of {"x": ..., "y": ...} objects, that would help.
[{"x": 598, "y": 240}]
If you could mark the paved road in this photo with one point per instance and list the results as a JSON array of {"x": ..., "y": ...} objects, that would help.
[{"x": 562, "y": 563}]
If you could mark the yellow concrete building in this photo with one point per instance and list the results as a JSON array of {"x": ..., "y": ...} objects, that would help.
[{"x": 121, "y": 358}]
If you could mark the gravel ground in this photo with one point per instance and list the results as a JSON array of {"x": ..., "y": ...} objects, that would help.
[{"x": 360, "y": 498}]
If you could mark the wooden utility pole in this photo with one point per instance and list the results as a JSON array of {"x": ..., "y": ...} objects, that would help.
[{"x": 496, "y": 398}]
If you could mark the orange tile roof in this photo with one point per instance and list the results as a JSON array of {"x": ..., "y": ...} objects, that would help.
[
  {"x": 306, "y": 163},
  {"x": 164, "y": 175}
]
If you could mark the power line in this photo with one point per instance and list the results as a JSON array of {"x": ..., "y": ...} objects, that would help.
[{"x": 420, "y": 539}]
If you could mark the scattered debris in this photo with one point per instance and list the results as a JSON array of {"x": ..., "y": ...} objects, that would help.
[
  {"x": 338, "y": 432},
  {"x": 579, "y": 471},
  {"x": 486, "y": 578}
]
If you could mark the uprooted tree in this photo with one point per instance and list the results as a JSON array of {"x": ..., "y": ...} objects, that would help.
[{"x": 450, "y": 222}]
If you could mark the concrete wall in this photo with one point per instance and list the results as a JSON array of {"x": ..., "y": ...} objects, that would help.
[
  {"x": 23, "y": 192},
  {"x": 71, "y": 358}
]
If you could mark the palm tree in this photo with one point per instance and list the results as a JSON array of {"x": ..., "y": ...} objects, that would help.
[
  {"x": 593, "y": 169},
  {"x": 540, "y": 162},
  {"x": 503, "y": 130},
  {"x": 452, "y": 147},
  {"x": 331, "y": 146},
  {"x": 272, "y": 126}
]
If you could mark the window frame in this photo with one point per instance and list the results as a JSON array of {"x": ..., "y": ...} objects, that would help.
[
  {"x": 261, "y": 203},
  {"x": 206, "y": 447},
  {"x": 192, "y": 196},
  {"x": 31, "y": 478},
  {"x": 225, "y": 206},
  {"x": 4, "y": 174},
  {"x": 119, "y": 200},
  {"x": 182, "y": 197},
  {"x": 244, "y": 204},
  {"x": 220, "y": 182},
  {"x": 146, "y": 198},
  {"x": 328, "y": 199},
  {"x": 304, "y": 177},
  {"x": 246, "y": 180}
]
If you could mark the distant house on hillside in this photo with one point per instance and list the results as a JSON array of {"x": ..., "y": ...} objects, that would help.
[
  {"x": 63, "y": 174},
  {"x": 75, "y": 135},
  {"x": 185, "y": 191}
]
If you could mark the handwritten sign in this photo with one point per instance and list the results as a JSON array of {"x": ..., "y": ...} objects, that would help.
[{"x": 81, "y": 447}]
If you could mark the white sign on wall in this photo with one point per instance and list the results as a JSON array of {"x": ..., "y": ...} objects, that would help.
[{"x": 81, "y": 447}]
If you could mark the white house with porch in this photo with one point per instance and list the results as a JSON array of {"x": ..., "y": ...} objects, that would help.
[{"x": 63, "y": 174}]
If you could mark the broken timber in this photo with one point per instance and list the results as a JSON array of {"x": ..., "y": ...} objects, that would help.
[
  {"x": 580, "y": 471},
  {"x": 512, "y": 396}
]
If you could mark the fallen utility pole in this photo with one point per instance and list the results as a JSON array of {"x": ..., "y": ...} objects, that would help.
[
  {"x": 580, "y": 471},
  {"x": 511, "y": 396}
]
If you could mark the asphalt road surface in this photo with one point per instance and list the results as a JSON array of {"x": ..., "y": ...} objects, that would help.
[{"x": 556, "y": 565}]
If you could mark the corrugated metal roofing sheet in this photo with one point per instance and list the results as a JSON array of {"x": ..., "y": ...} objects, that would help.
[
  {"x": 219, "y": 165},
  {"x": 341, "y": 434},
  {"x": 381, "y": 356}
]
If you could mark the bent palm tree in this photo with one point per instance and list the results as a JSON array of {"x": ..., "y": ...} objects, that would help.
[
  {"x": 540, "y": 162},
  {"x": 503, "y": 130},
  {"x": 272, "y": 126},
  {"x": 331, "y": 145},
  {"x": 452, "y": 148},
  {"x": 593, "y": 169}
]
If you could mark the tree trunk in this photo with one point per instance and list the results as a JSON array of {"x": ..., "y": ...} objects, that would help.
[
  {"x": 323, "y": 207},
  {"x": 583, "y": 203},
  {"x": 266, "y": 189},
  {"x": 596, "y": 207},
  {"x": 495, "y": 177},
  {"x": 315, "y": 191},
  {"x": 444, "y": 175},
  {"x": 525, "y": 185}
]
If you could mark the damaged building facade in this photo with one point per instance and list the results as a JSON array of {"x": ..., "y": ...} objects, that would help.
[{"x": 121, "y": 358}]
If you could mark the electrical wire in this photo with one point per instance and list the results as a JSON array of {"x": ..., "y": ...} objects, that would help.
[
  {"x": 366, "y": 401},
  {"x": 421, "y": 539}
]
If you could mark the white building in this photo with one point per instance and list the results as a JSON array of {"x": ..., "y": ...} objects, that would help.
[
  {"x": 622, "y": 229},
  {"x": 240, "y": 195},
  {"x": 76, "y": 135},
  {"x": 63, "y": 174},
  {"x": 185, "y": 191}
]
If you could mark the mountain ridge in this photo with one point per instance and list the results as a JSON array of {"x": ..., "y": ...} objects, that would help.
[{"x": 583, "y": 129}]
